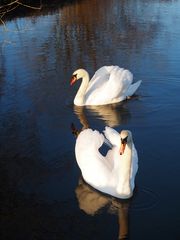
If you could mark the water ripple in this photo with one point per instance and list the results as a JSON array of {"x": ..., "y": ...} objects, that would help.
[{"x": 144, "y": 199}]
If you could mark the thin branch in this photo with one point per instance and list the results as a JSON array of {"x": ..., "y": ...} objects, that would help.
[
  {"x": 5, "y": 28},
  {"x": 8, "y": 10},
  {"x": 9, "y": 4},
  {"x": 13, "y": 5},
  {"x": 28, "y": 6}
]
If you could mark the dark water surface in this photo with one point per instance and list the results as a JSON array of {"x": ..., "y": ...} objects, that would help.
[{"x": 43, "y": 195}]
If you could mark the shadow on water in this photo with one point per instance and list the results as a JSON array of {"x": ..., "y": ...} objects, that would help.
[
  {"x": 93, "y": 202},
  {"x": 111, "y": 115}
]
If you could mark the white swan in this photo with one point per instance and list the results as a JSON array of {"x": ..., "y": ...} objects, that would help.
[
  {"x": 114, "y": 173},
  {"x": 110, "y": 84}
]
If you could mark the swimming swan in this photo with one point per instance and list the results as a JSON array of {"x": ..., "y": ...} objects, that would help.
[
  {"x": 110, "y": 84},
  {"x": 114, "y": 173}
]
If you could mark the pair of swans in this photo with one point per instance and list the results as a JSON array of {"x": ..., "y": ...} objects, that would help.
[{"x": 115, "y": 172}]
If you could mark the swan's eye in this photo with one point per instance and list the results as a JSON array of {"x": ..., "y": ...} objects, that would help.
[
  {"x": 124, "y": 140},
  {"x": 75, "y": 75}
]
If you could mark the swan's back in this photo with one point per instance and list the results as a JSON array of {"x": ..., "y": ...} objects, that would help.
[{"x": 108, "y": 85}]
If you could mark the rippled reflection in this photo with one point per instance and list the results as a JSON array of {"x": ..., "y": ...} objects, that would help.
[
  {"x": 78, "y": 31},
  {"x": 91, "y": 202},
  {"x": 112, "y": 115}
]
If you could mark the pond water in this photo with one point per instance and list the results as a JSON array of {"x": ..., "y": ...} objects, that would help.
[{"x": 43, "y": 195}]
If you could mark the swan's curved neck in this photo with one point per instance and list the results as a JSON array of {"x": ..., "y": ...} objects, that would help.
[
  {"x": 128, "y": 155},
  {"x": 124, "y": 185},
  {"x": 79, "y": 98}
]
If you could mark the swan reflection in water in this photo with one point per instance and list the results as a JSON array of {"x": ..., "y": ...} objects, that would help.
[
  {"x": 112, "y": 114},
  {"x": 91, "y": 201}
]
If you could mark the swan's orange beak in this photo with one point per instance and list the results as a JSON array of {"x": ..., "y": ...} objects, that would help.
[
  {"x": 122, "y": 148},
  {"x": 123, "y": 145},
  {"x": 73, "y": 79}
]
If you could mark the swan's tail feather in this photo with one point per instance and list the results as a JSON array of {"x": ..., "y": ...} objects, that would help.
[{"x": 133, "y": 87}]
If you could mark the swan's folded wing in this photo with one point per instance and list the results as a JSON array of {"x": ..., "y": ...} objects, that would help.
[
  {"x": 93, "y": 165},
  {"x": 119, "y": 81},
  {"x": 88, "y": 140},
  {"x": 113, "y": 136},
  {"x": 109, "y": 84},
  {"x": 100, "y": 77},
  {"x": 105, "y": 85}
]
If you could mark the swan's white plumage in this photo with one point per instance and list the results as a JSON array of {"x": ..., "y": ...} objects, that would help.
[
  {"x": 110, "y": 84},
  {"x": 113, "y": 174}
]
